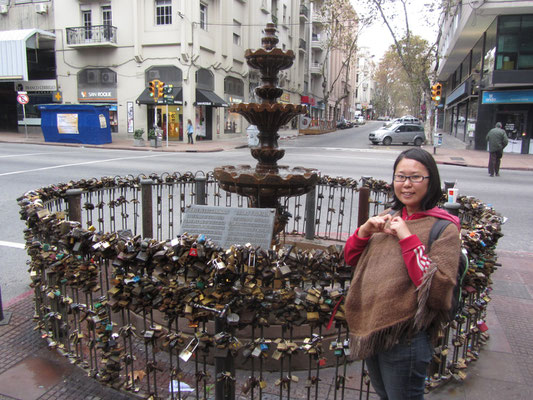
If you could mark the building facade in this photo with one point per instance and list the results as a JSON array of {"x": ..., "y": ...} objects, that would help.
[
  {"x": 486, "y": 68},
  {"x": 106, "y": 52}
]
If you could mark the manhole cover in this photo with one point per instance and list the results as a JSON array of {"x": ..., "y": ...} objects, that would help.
[{"x": 457, "y": 158}]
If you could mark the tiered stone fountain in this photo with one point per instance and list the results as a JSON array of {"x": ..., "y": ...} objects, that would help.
[{"x": 265, "y": 183}]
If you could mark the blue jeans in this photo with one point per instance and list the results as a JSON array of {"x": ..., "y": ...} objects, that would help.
[{"x": 400, "y": 373}]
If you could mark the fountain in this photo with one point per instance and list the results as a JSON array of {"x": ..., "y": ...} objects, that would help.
[{"x": 268, "y": 181}]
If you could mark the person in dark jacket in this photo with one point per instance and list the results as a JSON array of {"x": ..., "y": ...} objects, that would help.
[{"x": 497, "y": 140}]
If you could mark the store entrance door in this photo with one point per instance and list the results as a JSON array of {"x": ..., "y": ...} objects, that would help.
[{"x": 515, "y": 125}]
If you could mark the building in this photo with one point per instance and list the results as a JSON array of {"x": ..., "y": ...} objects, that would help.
[
  {"x": 108, "y": 52},
  {"x": 486, "y": 68},
  {"x": 364, "y": 83}
]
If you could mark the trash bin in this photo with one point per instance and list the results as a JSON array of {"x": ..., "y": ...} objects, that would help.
[
  {"x": 437, "y": 139},
  {"x": 252, "y": 133},
  {"x": 75, "y": 123}
]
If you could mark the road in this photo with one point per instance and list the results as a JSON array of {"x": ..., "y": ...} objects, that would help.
[{"x": 343, "y": 153}]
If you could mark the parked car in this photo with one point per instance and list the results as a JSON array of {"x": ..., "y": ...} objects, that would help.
[
  {"x": 399, "y": 133},
  {"x": 406, "y": 119},
  {"x": 343, "y": 124},
  {"x": 360, "y": 120}
]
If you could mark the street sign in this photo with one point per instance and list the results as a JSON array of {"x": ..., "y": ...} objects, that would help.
[{"x": 22, "y": 98}]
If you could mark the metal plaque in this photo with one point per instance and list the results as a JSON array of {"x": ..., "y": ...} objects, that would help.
[{"x": 226, "y": 226}]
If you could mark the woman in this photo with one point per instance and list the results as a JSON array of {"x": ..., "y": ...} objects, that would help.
[
  {"x": 190, "y": 131},
  {"x": 399, "y": 293}
]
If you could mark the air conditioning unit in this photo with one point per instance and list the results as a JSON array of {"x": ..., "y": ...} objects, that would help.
[
  {"x": 153, "y": 74},
  {"x": 108, "y": 77},
  {"x": 41, "y": 8},
  {"x": 92, "y": 76},
  {"x": 3, "y": 9}
]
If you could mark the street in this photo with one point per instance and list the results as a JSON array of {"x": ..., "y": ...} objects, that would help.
[{"x": 346, "y": 153}]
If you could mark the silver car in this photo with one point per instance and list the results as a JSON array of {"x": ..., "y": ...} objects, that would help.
[{"x": 399, "y": 134}]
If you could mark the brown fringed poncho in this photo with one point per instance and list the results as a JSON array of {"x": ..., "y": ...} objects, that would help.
[{"x": 383, "y": 304}]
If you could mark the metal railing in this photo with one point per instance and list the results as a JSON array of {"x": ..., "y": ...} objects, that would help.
[
  {"x": 115, "y": 283},
  {"x": 95, "y": 34}
]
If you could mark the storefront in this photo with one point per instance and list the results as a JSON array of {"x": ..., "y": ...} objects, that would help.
[
  {"x": 233, "y": 94},
  {"x": 206, "y": 101},
  {"x": 39, "y": 92},
  {"x": 513, "y": 108},
  {"x": 99, "y": 86},
  {"x": 166, "y": 112}
]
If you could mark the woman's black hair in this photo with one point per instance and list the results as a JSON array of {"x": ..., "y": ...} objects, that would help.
[{"x": 434, "y": 193}]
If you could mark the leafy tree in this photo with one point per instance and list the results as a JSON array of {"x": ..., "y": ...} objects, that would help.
[
  {"x": 414, "y": 54},
  {"x": 342, "y": 31}
]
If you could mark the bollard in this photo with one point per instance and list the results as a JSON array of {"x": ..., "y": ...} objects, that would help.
[
  {"x": 310, "y": 204},
  {"x": 74, "y": 204},
  {"x": 146, "y": 205},
  {"x": 448, "y": 185},
  {"x": 200, "y": 188},
  {"x": 4, "y": 317},
  {"x": 362, "y": 215},
  {"x": 223, "y": 390}
]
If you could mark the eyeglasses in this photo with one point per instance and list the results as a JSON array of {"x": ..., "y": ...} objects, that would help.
[{"x": 412, "y": 178}]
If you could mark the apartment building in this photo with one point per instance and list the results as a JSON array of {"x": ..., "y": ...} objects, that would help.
[
  {"x": 364, "y": 83},
  {"x": 486, "y": 68},
  {"x": 107, "y": 52}
]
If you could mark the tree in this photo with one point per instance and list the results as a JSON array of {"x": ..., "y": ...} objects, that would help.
[
  {"x": 415, "y": 55},
  {"x": 341, "y": 31}
]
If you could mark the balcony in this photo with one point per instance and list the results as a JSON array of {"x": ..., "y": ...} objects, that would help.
[
  {"x": 317, "y": 42},
  {"x": 315, "y": 68},
  {"x": 304, "y": 13},
  {"x": 319, "y": 19},
  {"x": 92, "y": 36},
  {"x": 302, "y": 46}
]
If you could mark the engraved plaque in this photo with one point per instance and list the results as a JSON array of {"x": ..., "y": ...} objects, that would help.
[{"x": 226, "y": 225}]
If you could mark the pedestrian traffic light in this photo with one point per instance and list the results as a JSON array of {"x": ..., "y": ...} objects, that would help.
[
  {"x": 436, "y": 92},
  {"x": 151, "y": 87}
]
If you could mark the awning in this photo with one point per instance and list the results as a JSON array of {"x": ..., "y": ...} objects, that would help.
[
  {"x": 13, "y": 45},
  {"x": 208, "y": 98},
  {"x": 175, "y": 98}
]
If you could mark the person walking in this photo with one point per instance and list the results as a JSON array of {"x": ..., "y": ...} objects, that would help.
[
  {"x": 190, "y": 132},
  {"x": 400, "y": 292},
  {"x": 497, "y": 140}
]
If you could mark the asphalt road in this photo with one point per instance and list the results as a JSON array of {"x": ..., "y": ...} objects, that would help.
[{"x": 343, "y": 153}]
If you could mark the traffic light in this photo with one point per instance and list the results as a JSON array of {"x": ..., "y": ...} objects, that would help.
[
  {"x": 151, "y": 87},
  {"x": 436, "y": 93},
  {"x": 160, "y": 86}
]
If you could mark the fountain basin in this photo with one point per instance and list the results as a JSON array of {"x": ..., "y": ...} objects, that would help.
[{"x": 279, "y": 181}]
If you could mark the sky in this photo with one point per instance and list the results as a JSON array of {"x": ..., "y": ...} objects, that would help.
[{"x": 377, "y": 36}]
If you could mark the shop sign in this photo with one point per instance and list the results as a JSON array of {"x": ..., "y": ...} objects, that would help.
[
  {"x": 508, "y": 97},
  {"x": 285, "y": 98},
  {"x": 235, "y": 100},
  {"x": 97, "y": 95},
  {"x": 40, "y": 85}
]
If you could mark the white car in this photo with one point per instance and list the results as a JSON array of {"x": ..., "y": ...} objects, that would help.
[
  {"x": 360, "y": 120},
  {"x": 399, "y": 134}
]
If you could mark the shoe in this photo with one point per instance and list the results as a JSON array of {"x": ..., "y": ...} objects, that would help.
[
  {"x": 497, "y": 174},
  {"x": 491, "y": 175}
]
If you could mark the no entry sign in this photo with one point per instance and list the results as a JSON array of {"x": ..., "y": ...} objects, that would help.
[{"x": 22, "y": 98}]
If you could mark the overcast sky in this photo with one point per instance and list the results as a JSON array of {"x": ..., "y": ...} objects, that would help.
[{"x": 378, "y": 38}]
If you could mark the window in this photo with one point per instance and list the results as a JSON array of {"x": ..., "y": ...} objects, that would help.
[
  {"x": 236, "y": 33},
  {"x": 203, "y": 16},
  {"x": 87, "y": 23},
  {"x": 284, "y": 14},
  {"x": 107, "y": 22},
  {"x": 163, "y": 12},
  {"x": 514, "y": 46}
]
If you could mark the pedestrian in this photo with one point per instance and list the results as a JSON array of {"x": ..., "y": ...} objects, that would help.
[
  {"x": 190, "y": 131},
  {"x": 497, "y": 139},
  {"x": 400, "y": 293}
]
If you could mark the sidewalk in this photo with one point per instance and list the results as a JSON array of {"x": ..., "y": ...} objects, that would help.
[
  {"x": 452, "y": 152},
  {"x": 504, "y": 370}
]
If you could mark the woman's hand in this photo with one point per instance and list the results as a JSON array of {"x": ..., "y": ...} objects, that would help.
[
  {"x": 398, "y": 228},
  {"x": 374, "y": 225}
]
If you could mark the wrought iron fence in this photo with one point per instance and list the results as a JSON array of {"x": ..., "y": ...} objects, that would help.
[{"x": 145, "y": 309}]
